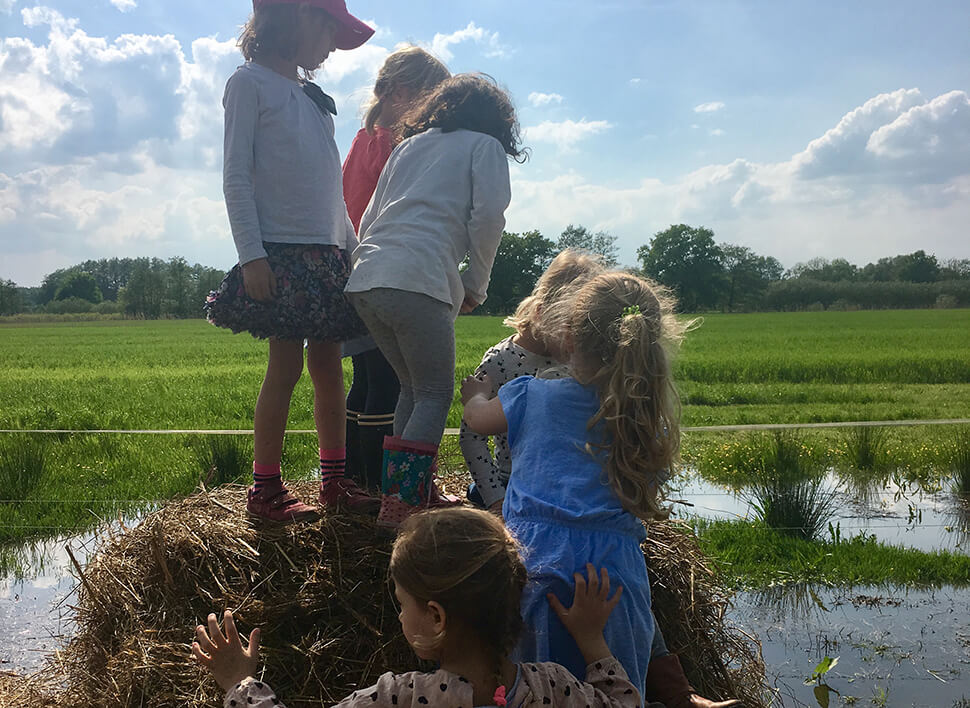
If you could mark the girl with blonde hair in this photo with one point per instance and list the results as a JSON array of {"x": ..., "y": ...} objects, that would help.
[
  {"x": 525, "y": 353},
  {"x": 589, "y": 455}
]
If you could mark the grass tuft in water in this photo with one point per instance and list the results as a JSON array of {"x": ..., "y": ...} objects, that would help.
[
  {"x": 960, "y": 465},
  {"x": 788, "y": 494},
  {"x": 865, "y": 448},
  {"x": 226, "y": 459},
  {"x": 22, "y": 466}
]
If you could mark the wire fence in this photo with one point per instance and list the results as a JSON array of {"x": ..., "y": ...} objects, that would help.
[{"x": 454, "y": 431}]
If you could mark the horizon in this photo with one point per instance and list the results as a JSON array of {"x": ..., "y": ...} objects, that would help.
[{"x": 811, "y": 132}]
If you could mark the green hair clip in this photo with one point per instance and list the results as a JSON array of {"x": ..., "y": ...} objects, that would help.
[{"x": 631, "y": 310}]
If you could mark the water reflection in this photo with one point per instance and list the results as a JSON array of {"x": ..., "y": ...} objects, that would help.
[
  {"x": 894, "y": 511},
  {"x": 912, "y": 644}
]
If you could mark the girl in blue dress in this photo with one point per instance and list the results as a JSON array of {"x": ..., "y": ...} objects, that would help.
[{"x": 589, "y": 454}]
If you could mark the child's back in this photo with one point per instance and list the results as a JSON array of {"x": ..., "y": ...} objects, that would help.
[
  {"x": 425, "y": 216},
  {"x": 565, "y": 515}
]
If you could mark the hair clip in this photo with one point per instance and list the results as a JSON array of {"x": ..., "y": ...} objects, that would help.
[{"x": 631, "y": 310}]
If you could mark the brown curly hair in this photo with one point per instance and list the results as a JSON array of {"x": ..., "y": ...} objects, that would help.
[
  {"x": 466, "y": 561},
  {"x": 470, "y": 102}
]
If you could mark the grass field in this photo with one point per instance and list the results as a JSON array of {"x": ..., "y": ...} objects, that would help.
[{"x": 763, "y": 368}]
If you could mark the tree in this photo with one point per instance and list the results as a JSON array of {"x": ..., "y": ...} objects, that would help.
[
  {"x": 80, "y": 285},
  {"x": 687, "y": 260},
  {"x": 519, "y": 262},
  {"x": 834, "y": 271},
  {"x": 601, "y": 243},
  {"x": 747, "y": 274},
  {"x": 10, "y": 301}
]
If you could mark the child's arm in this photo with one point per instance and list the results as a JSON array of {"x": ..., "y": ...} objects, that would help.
[
  {"x": 232, "y": 666},
  {"x": 607, "y": 683},
  {"x": 483, "y": 410},
  {"x": 483, "y": 467},
  {"x": 491, "y": 194},
  {"x": 242, "y": 111}
]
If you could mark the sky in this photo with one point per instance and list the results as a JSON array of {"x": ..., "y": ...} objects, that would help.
[{"x": 801, "y": 130}]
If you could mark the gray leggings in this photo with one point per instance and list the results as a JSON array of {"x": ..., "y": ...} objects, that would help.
[{"x": 416, "y": 333}]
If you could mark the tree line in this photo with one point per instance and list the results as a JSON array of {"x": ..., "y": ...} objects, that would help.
[{"x": 705, "y": 276}]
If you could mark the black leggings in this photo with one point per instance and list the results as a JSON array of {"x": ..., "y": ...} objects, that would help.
[{"x": 375, "y": 387}]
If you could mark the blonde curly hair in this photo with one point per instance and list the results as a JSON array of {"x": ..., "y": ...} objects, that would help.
[{"x": 622, "y": 332}]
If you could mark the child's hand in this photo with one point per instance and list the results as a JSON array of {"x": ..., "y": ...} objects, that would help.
[
  {"x": 591, "y": 608},
  {"x": 695, "y": 701},
  {"x": 258, "y": 280},
  {"x": 224, "y": 656},
  {"x": 472, "y": 386},
  {"x": 467, "y": 305}
]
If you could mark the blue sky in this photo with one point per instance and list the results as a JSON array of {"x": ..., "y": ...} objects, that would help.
[{"x": 826, "y": 129}]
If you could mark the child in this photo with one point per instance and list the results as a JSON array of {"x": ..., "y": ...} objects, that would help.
[
  {"x": 441, "y": 198},
  {"x": 458, "y": 578},
  {"x": 524, "y": 353},
  {"x": 407, "y": 75},
  {"x": 281, "y": 180},
  {"x": 588, "y": 456}
]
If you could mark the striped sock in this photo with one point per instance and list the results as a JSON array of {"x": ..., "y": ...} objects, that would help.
[
  {"x": 332, "y": 463},
  {"x": 267, "y": 477}
]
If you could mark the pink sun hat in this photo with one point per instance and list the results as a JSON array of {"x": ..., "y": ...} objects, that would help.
[{"x": 351, "y": 32}]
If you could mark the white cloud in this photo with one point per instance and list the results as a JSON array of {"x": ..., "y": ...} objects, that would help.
[
  {"x": 124, "y": 5},
  {"x": 916, "y": 193},
  {"x": 565, "y": 134},
  {"x": 716, "y": 132},
  {"x": 538, "y": 99},
  {"x": 634, "y": 81},
  {"x": 441, "y": 43},
  {"x": 711, "y": 107},
  {"x": 842, "y": 149},
  {"x": 7, "y": 6}
]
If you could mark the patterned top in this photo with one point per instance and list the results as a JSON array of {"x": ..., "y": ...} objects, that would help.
[
  {"x": 503, "y": 362},
  {"x": 606, "y": 686}
]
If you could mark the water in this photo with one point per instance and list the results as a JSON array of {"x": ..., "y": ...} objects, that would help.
[
  {"x": 910, "y": 646},
  {"x": 35, "y": 614},
  {"x": 897, "y": 515}
]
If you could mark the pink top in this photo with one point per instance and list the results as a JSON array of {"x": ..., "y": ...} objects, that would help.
[{"x": 363, "y": 166}]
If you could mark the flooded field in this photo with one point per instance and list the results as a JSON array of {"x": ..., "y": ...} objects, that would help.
[{"x": 895, "y": 512}]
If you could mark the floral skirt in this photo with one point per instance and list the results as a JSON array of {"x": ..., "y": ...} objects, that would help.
[{"x": 309, "y": 301}]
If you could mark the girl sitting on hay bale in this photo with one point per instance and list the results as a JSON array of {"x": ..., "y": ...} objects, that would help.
[
  {"x": 589, "y": 454},
  {"x": 458, "y": 578}
]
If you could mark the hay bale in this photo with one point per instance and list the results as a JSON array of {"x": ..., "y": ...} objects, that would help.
[
  {"x": 690, "y": 606},
  {"x": 319, "y": 590}
]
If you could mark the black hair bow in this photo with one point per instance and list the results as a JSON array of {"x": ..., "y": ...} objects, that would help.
[{"x": 324, "y": 102}]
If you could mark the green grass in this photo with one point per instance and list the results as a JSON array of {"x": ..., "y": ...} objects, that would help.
[
  {"x": 753, "y": 556},
  {"x": 762, "y": 368}
]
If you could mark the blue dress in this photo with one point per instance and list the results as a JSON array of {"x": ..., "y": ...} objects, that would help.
[{"x": 561, "y": 508}]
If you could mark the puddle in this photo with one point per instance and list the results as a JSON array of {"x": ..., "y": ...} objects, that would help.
[
  {"x": 910, "y": 646},
  {"x": 927, "y": 521},
  {"x": 35, "y": 616}
]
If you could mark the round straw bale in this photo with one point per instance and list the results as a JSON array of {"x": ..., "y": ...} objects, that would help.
[{"x": 320, "y": 593}]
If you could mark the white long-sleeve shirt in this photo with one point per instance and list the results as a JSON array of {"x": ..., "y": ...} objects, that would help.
[
  {"x": 281, "y": 171},
  {"x": 441, "y": 197}
]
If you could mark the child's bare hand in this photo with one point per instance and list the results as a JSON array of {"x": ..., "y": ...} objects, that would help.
[
  {"x": 467, "y": 305},
  {"x": 591, "y": 608},
  {"x": 224, "y": 655},
  {"x": 695, "y": 701},
  {"x": 473, "y": 386},
  {"x": 258, "y": 280}
]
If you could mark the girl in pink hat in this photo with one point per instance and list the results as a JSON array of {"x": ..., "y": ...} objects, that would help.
[{"x": 282, "y": 184}]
